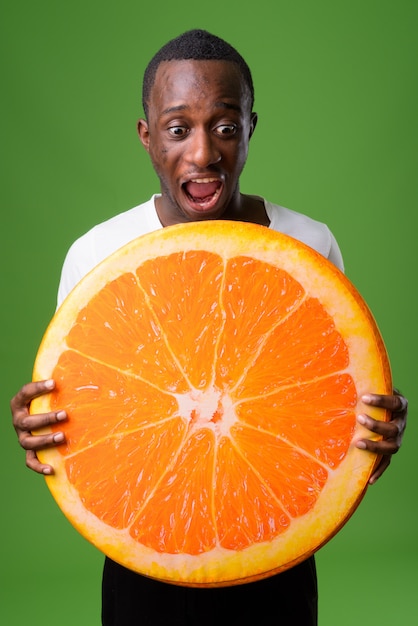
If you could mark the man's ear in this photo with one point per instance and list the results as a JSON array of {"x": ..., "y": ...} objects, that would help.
[
  {"x": 143, "y": 132},
  {"x": 253, "y": 123}
]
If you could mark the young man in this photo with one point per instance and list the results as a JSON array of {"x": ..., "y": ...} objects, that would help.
[{"x": 198, "y": 98}]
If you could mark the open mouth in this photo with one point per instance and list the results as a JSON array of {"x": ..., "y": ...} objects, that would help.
[{"x": 203, "y": 193}]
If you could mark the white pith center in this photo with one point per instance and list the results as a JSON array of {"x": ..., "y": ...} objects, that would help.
[{"x": 207, "y": 409}]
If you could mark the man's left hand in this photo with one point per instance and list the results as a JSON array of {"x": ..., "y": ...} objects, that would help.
[{"x": 391, "y": 432}]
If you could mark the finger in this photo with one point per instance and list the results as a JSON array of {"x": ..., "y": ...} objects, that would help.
[
  {"x": 29, "y": 423},
  {"x": 37, "y": 442},
  {"x": 33, "y": 463},
  {"x": 382, "y": 467},
  {"x": 388, "y": 430},
  {"x": 384, "y": 447},
  {"x": 393, "y": 403},
  {"x": 30, "y": 391}
]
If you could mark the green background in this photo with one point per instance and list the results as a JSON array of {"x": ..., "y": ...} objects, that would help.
[{"x": 336, "y": 93}]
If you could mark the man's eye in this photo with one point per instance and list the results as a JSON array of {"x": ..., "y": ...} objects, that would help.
[
  {"x": 178, "y": 131},
  {"x": 226, "y": 129}
]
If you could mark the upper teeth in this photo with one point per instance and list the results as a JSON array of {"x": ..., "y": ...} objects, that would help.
[{"x": 203, "y": 180}]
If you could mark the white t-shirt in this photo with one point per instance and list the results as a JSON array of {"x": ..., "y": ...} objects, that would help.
[{"x": 107, "y": 237}]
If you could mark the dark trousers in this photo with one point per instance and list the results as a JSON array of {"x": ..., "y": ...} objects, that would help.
[{"x": 287, "y": 599}]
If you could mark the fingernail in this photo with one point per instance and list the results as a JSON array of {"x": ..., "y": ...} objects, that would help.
[
  {"x": 366, "y": 398},
  {"x": 361, "y": 419},
  {"x": 61, "y": 415},
  {"x": 47, "y": 471},
  {"x": 49, "y": 384},
  {"x": 58, "y": 437},
  {"x": 361, "y": 445}
]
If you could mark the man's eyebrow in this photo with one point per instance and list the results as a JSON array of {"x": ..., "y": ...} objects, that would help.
[
  {"x": 228, "y": 105},
  {"x": 179, "y": 107}
]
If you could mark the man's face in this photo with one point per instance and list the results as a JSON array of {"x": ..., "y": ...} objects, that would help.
[{"x": 197, "y": 133}]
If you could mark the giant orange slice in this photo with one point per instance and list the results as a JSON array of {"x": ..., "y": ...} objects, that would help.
[{"x": 212, "y": 374}]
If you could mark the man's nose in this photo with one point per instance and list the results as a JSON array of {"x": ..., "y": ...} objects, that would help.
[{"x": 202, "y": 150}]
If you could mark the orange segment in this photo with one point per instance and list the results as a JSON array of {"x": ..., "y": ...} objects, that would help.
[
  {"x": 179, "y": 518},
  {"x": 247, "y": 511},
  {"x": 299, "y": 356},
  {"x": 177, "y": 286},
  {"x": 251, "y": 283},
  {"x": 290, "y": 474},
  {"x": 317, "y": 417},
  {"x": 117, "y": 316},
  {"x": 102, "y": 401},
  {"x": 212, "y": 395},
  {"x": 117, "y": 500}
]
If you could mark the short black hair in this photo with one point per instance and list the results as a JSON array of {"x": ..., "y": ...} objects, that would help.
[{"x": 196, "y": 45}]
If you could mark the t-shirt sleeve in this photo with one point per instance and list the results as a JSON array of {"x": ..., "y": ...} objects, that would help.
[
  {"x": 334, "y": 254},
  {"x": 79, "y": 260}
]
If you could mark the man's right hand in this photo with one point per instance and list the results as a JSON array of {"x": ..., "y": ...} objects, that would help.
[{"x": 24, "y": 424}]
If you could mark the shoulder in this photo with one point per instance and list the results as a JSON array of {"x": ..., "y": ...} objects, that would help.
[
  {"x": 311, "y": 232},
  {"x": 104, "y": 239},
  {"x": 108, "y": 236}
]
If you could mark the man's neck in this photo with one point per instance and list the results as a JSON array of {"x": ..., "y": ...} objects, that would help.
[
  {"x": 251, "y": 209},
  {"x": 247, "y": 209}
]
